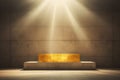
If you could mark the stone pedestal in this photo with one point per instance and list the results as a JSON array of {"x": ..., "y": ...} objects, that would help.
[{"x": 83, "y": 65}]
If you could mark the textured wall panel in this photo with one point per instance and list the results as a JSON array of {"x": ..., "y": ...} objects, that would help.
[
  {"x": 94, "y": 48},
  {"x": 4, "y": 54}
]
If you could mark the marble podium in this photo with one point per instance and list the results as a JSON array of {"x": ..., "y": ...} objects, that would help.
[{"x": 82, "y": 65}]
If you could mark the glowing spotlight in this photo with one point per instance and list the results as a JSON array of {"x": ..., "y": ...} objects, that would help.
[{"x": 57, "y": 1}]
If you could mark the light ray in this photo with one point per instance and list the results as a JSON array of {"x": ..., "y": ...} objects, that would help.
[
  {"x": 77, "y": 28},
  {"x": 52, "y": 29},
  {"x": 32, "y": 15},
  {"x": 36, "y": 12},
  {"x": 55, "y": 7},
  {"x": 53, "y": 24},
  {"x": 87, "y": 13},
  {"x": 80, "y": 33}
]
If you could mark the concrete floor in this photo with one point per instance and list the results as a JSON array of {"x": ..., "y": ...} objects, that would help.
[{"x": 100, "y": 74}]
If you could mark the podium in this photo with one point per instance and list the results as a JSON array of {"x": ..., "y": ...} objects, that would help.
[
  {"x": 59, "y": 61},
  {"x": 83, "y": 65}
]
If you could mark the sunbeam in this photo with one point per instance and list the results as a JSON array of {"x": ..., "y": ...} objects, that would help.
[
  {"x": 31, "y": 16},
  {"x": 52, "y": 28},
  {"x": 77, "y": 28},
  {"x": 53, "y": 23},
  {"x": 54, "y": 11},
  {"x": 80, "y": 33}
]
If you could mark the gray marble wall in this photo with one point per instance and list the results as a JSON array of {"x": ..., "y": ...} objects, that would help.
[{"x": 98, "y": 39}]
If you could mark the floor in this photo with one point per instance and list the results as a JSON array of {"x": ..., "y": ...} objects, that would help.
[{"x": 100, "y": 74}]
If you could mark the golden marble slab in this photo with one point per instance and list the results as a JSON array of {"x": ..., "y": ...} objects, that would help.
[{"x": 59, "y": 57}]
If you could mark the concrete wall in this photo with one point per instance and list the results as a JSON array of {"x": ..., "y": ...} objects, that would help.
[{"x": 19, "y": 43}]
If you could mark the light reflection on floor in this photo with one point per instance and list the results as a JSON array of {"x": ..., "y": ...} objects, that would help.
[{"x": 100, "y": 74}]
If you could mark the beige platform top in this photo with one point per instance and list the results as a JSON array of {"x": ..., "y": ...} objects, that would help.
[{"x": 75, "y": 62}]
